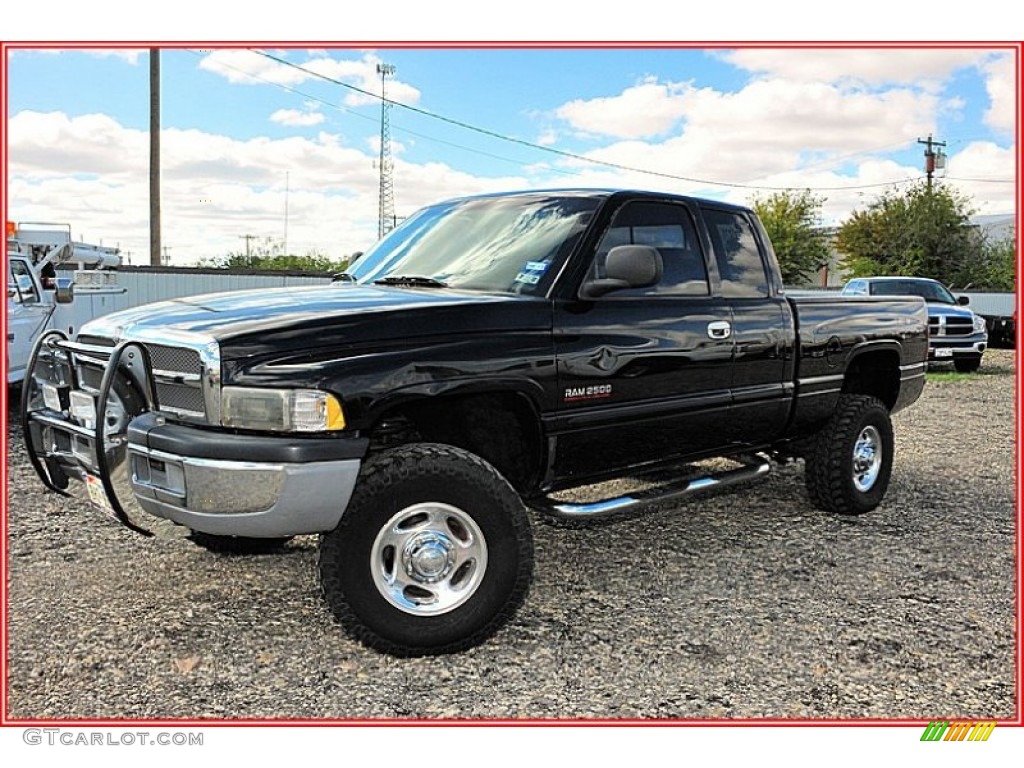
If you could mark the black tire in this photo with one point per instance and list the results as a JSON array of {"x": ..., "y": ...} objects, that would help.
[
  {"x": 967, "y": 364},
  {"x": 456, "y": 511},
  {"x": 835, "y": 482},
  {"x": 237, "y": 545}
]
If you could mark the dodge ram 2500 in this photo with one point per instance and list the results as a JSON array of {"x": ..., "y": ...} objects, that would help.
[{"x": 488, "y": 353}]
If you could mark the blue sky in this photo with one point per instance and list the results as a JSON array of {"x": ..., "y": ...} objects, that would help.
[{"x": 237, "y": 124}]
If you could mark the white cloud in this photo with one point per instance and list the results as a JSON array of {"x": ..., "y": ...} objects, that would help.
[
  {"x": 296, "y": 117},
  {"x": 92, "y": 172},
  {"x": 767, "y": 127},
  {"x": 985, "y": 171},
  {"x": 51, "y": 144},
  {"x": 129, "y": 55},
  {"x": 239, "y": 65},
  {"x": 869, "y": 66},
  {"x": 647, "y": 109},
  {"x": 1001, "y": 84}
]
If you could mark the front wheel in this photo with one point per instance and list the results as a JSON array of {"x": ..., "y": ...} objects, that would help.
[
  {"x": 849, "y": 465},
  {"x": 967, "y": 364},
  {"x": 433, "y": 554}
]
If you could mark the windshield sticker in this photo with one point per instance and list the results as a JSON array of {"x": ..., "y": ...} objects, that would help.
[
  {"x": 532, "y": 272},
  {"x": 529, "y": 278}
]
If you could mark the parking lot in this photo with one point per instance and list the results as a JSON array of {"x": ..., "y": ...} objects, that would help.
[{"x": 748, "y": 605}]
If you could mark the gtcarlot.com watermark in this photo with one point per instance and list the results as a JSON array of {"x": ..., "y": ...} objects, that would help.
[{"x": 61, "y": 737}]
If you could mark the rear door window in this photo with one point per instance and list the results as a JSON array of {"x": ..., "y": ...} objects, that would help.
[{"x": 740, "y": 265}]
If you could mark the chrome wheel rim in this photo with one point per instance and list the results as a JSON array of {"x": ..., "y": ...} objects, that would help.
[
  {"x": 429, "y": 559},
  {"x": 867, "y": 459}
]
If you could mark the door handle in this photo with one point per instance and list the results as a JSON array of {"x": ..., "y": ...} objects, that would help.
[{"x": 719, "y": 329}]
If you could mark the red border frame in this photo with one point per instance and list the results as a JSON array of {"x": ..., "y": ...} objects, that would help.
[{"x": 1017, "y": 47}]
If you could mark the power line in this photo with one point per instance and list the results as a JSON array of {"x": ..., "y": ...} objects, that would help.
[
  {"x": 556, "y": 151},
  {"x": 832, "y": 162},
  {"x": 395, "y": 126},
  {"x": 983, "y": 181}
]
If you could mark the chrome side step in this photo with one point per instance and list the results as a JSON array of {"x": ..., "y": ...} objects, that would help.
[{"x": 593, "y": 510}]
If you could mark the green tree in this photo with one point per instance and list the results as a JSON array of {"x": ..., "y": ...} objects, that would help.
[
  {"x": 994, "y": 270},
  {"x": 268, "y": 254},
  {"x": 793, "y": 222},
  {"x": 923, "y": 232}
]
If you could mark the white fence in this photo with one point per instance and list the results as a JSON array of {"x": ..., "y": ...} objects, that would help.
[{"x": 144, "y": 286}]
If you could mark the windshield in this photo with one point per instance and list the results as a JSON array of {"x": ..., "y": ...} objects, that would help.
[
  {"x": 926, "y": 289},
  {"x": 494, "y": 244}
]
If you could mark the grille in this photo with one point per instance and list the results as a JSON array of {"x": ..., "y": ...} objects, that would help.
[
  {"x": 174, "y": 359},
  {"x": 90, "y": 376},
  {"x": 181, "y": 397},
  {"x": 172, "y": 363},
  {"x": 950, "y": 326}
]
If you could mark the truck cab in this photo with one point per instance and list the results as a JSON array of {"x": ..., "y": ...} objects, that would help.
[
  {"x": 29, "y": 308},
  {"x": 955, "y": 333}
]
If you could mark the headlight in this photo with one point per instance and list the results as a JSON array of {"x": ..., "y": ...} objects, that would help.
[
  {"x": 979, "y": 323},
  {"x": 281, "y": 410}
]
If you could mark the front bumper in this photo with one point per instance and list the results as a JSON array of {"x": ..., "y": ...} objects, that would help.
[
  {"x": 235, "y": 498},
  {"x": 208, "y": 480},
  {"x": 946, "y": 349}
]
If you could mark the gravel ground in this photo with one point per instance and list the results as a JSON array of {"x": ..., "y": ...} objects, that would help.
[{"x": 748, "y": 605}]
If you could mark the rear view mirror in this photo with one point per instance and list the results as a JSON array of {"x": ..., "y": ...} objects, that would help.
[{"x": 625, "y": 266}]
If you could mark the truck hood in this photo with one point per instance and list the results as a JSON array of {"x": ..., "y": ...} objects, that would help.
[
  {"x": 949, "y": 310},
  {"x": 337, "y": 314}
]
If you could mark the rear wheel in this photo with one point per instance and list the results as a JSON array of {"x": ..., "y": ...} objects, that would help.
[
  {"x": 850, "y": 462},
  {"x": 433, "y": 554}
]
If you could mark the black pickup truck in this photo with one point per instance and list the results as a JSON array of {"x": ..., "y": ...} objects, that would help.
[{"x": 488, "y": 353}]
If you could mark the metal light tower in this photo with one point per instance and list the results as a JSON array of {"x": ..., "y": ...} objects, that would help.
[{"x": 386, "y": 220}]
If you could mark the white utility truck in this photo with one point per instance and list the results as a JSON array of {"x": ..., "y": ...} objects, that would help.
[{"x": 38, "y": 300}]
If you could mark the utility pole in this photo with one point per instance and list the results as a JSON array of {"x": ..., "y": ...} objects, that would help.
[
  {"x": 386, "y": 199},
  {"x": 932, "y": 160},
  {"x": 287, "y": 189},
  {"x": 248, "y": 240},
  {"x": 154, "y": 157}
]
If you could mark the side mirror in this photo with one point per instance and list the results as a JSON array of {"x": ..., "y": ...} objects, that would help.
[
  {"x": 625, "y": 266},
  {"x": 65, "y": 292},
  {"x": 963, "y": 301}
]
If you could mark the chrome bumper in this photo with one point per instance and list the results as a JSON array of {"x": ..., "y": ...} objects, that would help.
[{"x": 242, "y": 498}]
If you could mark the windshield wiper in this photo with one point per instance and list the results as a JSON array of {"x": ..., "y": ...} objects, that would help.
[{"x": 414, "y": 280}]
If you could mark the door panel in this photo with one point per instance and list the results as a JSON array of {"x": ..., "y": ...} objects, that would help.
[
  {"x": 762, "y": 371},
  {"x": 643, "y": 372},
  {"x": 26, "y": 315},
  {"x": 640, "y": 381}
]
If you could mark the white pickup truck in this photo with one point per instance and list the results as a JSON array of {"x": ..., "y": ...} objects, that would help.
[{"x": 37, "y": 300}]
